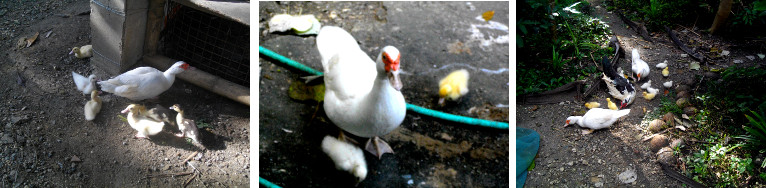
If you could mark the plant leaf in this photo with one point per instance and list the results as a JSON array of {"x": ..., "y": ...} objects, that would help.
[{"x": 488, "y": 15}]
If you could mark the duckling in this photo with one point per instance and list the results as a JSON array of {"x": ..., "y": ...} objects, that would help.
[
  {"x": 610, "y": 104},
  {"x": 346, "y": 156},
  {"x": 647, "y": 84},
  {"x": 187, "y": 127},
  {"x": 651, "y": 94},
  {"x": 665, "y": 72},
  {"x": 662, "y": 65},
  {"x": 138, "y": 121},
  {"x": 453, "y": 86},
  {"x": 593, "y": 104},
  {"x": 668, "y": 84},
  {"x": 93, "y": 106},
  {"x": 86, "y": 85},
  {"x": 82, "y": 52}
]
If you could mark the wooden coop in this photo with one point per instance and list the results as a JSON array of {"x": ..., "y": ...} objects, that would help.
[{"x": 212, "y": 36}]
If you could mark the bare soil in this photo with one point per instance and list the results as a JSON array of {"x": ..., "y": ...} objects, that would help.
[
  {"x": 47, "y": 142},
  {"x": 569, "y": 159}
]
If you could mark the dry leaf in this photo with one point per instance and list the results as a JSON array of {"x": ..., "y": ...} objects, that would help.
[
  {"x": 32, "y": 39},
  {"x": 488, "y": 15}
]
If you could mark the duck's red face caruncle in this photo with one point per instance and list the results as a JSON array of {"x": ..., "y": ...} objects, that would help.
[{"x": 391, "y": 63}]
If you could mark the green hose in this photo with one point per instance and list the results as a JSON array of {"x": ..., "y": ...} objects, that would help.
[
  {"x": 267, "y": 183},
  {"x": 411, "y": 107},
  {"x": 288, "y": 61}
]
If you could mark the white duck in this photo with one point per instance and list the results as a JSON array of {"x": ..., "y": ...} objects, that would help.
[
  {"x": 361, "y": 96},
  {"x": 640, "y": 67},
  {"x": 86, "y": 85},
  {"x": 138, "y": 121},
  {"x": 596, "y": 118},
  {"x": 82, "y": 52},
  {"x": 346, "y": 156},
  {"x": 187, "y": 127},
  {"x": 93, "y": 106},
  {"x": 143, "y": 82}
]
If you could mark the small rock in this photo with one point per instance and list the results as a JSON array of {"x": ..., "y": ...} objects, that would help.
[
  {"x": 725, "y": 53},
  {"x": 19, "y": 119},
  {"x": 683, "y": 94},
  {"x": 669, "y": 118},
  {"x": 682, "y": 102},
  {"x": 656, "y": 125},
  {"x": 684, "y": 55},
  {"x": 658, "y": 142},
  {"x": 683, "y": 88},
  {"x": 676, "y": 143},
  {"x": 737, "y": 61},
  {"x": 690, "y": 110},
  {"x": 666, "y": 155},
  {"x": 75, "y": 159},
  {"x": 750, "y": 57},
  {"x": 628, "y": 176}
]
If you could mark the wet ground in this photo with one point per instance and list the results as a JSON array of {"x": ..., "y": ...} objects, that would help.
[{"x": 434, "y": 39}]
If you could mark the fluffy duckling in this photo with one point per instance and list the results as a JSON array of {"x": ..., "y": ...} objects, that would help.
[
  {"x": 665, "y": 72},
  {"x": 138, "y": 121},
  {"x": 82, "y": 51},
  {"x": 662, "y": 65},
  {"x": 593, "y": 104},
  {"x": 93, "y": 106},
  {"x": 347, "y": 157},
  {"x": 651, "y": 94},
  {"x": 86, "y": 85},
  {"x": 647, "y": 84},
  {"x": 610, "y": 104},
  {"x": 640, "y": 67},
  {"x": 596, "y": 118},
  {"x": 668, "y": 84},
  {"x": 453, "y": 86},
  {"x": 187, "y": 127}
]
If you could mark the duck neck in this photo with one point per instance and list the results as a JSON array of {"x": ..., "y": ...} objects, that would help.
[{"x": 170, "y": 75}]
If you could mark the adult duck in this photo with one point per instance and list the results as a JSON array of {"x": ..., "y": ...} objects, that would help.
[
  {"x": 361, "y": 96},
  {"x": 143, "y": 82},
  {"x": 596, "y": 118},
  {"x": 618, "y": 86}
]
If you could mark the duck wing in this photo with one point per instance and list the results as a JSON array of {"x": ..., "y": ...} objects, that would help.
[{"x": 349, "y": 72}]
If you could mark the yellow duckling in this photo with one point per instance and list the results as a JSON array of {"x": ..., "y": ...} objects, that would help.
[
  {"x": 610, "y": 104},
  {"x": 592, "y": 105},
  {"x": 93, "y": 106},
  {"x": 665, "y": 72},
  {"x": 650, "y": 95},
  {"x": 82, "y": 52},
  {"x": 138, "y": 121},
  {"x": 453, "y": 86}
]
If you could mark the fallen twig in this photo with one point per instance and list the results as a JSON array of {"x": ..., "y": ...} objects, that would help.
[
  {"x": 683, "y": 47},
  {"x": 190, "y": 157},
  {"x": 190, "y": 179},
  {"x": 168, "y": 174}
]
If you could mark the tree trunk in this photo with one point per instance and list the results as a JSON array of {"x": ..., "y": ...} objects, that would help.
[{"x": 724, "y": 9}]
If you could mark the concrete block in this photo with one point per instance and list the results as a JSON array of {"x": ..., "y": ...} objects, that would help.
[{"x": 118, "y": 28}]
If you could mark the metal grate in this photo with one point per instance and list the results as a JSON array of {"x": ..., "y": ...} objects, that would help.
[{"x": 212, "y": 44}]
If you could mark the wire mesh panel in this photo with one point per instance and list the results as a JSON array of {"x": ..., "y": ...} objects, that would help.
[{"x": 212, "y": 44}]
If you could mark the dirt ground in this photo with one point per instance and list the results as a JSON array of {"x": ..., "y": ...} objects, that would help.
[
  {"x": 434, "y": 39},
  {"x": 568, "y": 159},
  {"x": 44, "y": 132}
]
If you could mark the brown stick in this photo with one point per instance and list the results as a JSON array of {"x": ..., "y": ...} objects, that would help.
[
  {"x": 190, "y": 179},
  {"x": 189, "y": 157},
  {"x": 168, "y": 174}
]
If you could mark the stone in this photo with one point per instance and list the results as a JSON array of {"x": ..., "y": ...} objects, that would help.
[
  {"x": 628, "y": 176},
  {"x": 6, "y": 139},
  {"x": 682, "y": 102},
  {"x": 683, "y": 88},
  {"x": 665, "y": 155},
  {"x": 658, "y": 142},
  {"x": 676, "y": 143},
  {"x": 690, "y": 110},
  {"x": 656, "y": 125}
]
